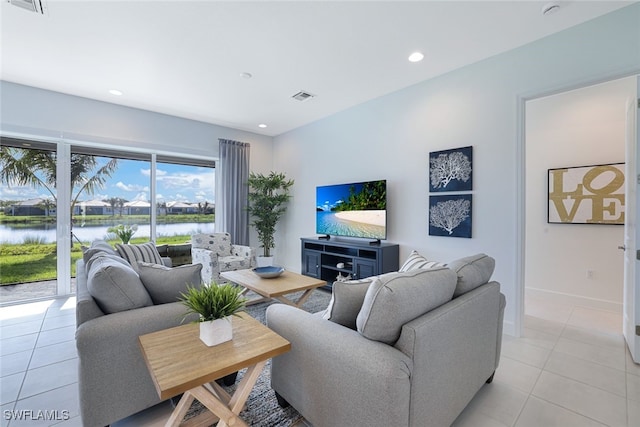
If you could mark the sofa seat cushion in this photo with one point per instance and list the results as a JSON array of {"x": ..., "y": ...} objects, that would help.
[
  {"x": 145, "y": 252},
  {"x": 346, "y": 301},
  {"x": 232, "y": 262},
  {"x": 115, "y": 286},
  {"x": 165, "y": 284},
  {"x": 416, "y": 261},
  {"x": 394, "y": 299},
  {"x": 472, "y": 272}
]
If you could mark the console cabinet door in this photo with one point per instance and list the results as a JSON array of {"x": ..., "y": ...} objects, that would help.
[
  {"x": 363, "y": 268},
  {"x": 311, "y": 264}
]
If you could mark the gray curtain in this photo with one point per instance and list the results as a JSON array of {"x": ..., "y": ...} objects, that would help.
[{"x": 232, "y": 192}]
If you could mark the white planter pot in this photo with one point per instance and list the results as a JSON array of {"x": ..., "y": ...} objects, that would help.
[
  {"x": 264, "y": 261},
  {"x": 214, "y": 332}
]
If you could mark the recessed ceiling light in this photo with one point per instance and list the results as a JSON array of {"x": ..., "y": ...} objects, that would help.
[
  {"x": 115, "y": 92},
  {"x": 262, "y": 125},
  {"x": 246, "y": 75},
  {"x": 416, "y": 57}
]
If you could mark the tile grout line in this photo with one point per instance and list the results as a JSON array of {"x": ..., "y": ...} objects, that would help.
[{"x": 26, "y": 372}]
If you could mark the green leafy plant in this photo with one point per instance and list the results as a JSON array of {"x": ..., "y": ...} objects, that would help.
[
  {"x": 123, "y": 231},
  {"x": 214, "y": 301},
  {"x": 373, "y": 196},
  {"x": 268, "y": 195}
]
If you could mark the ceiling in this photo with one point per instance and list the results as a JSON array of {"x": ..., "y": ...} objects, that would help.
[{"x": 185, "y": 58}]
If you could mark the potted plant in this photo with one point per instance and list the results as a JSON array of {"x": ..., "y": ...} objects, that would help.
[
  {"x": 268, "y": 195},
  {"x": 124, "y": 232},
  {"x": 215, "y": 304}
]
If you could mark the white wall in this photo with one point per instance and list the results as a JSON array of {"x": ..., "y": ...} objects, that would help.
[
  {"x": 391, "y": 137},
  {"x": 576, "y": 128}
]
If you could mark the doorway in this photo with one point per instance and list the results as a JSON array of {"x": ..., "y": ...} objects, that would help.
[{"x": 573, "y": 273}]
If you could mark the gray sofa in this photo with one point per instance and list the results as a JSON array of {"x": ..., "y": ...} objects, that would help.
[
  {"x": 113, "y": 378},
  {"x": 424, "y": 343}
]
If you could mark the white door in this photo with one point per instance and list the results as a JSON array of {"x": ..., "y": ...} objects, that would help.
[{"x": 631, "y": 309}]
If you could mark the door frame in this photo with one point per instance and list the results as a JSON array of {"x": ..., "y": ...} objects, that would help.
[{"x": 520, "y": 162}]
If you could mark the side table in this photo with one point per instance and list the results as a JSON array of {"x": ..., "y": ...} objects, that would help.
[{"x": 180, "y": 363}]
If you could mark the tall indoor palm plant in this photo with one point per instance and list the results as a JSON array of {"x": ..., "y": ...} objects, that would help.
[{"x": 268, "y": 196}]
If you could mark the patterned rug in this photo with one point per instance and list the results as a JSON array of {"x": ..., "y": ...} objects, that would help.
[{"x": 262, "y": 409}]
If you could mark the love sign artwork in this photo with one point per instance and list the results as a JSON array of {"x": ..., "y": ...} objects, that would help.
[{"x": 587, "y": 195}]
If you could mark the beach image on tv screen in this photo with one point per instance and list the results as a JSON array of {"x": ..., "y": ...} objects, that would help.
[{"x": 355, "y": 210}]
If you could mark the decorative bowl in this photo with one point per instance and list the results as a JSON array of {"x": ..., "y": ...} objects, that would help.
[{"x": 268, "y": 272}]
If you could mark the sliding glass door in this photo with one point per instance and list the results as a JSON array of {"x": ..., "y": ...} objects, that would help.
[{"x": 28, "y": 216}]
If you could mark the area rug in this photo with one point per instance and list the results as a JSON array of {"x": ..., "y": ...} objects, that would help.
[{"x": 262, "y": 409}]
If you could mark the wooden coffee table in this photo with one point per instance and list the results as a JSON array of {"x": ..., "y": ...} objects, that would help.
[
  {"x": 180, "y": 363},
  {"x": 275, "y": 288}
]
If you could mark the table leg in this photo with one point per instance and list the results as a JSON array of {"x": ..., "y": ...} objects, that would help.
[
  {"x": 218, "y": 401},
  {"x": 253, "y": 300},
  {"x": 303, "y": 298},
  {"x": 180, "y": 411}
]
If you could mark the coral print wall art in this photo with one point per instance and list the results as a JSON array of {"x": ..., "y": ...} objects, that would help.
[
  {"x": 451, "y": 170},
  {"x": 450, "y": 215}
]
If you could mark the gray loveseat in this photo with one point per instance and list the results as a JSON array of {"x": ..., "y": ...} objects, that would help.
[
  {"x": 425, "y": 342},
  {"x": 113, "y": 378}
]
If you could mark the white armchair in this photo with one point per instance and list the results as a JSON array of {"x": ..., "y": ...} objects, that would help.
[{"x": 216, "y": 254}]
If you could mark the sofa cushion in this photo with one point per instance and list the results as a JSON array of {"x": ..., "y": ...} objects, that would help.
[
  {"x": 346, "y": 301},
  {"x": 116, "y": 286},
  {"x": 472, "y": 272},
  {"x": 165, "y": 284},
  {"x": 145, "y": 252},
  {"x": 416, "y": 261},
  {"x": 394, "y": 299},
  {"x": 232, "y": 262}
]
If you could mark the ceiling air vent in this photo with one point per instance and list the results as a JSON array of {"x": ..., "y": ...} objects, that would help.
[
  {"x": 302, "y": 96},
  {"x": 38, "y": 6}
]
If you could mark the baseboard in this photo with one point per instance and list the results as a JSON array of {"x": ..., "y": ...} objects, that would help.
[
  {"x": 577, "y": 300},
  {"x": 509, "y": 328}
]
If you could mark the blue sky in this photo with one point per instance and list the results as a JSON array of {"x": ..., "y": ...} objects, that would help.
[
  {"x": 131, "y": 182},
  {"x": 328, "y": 197}
]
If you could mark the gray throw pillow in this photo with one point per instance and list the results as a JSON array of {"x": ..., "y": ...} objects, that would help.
[
  {"x": 394, "y": 299},
  {"x": 115, "y": 286},
  {"x": 103, "y": 254},
  {"x": 97, "y": 246},
  {"x": 472, "y": 272},
  {"x": 346, "y": 301},
  {"x": 165, "y": 284}
]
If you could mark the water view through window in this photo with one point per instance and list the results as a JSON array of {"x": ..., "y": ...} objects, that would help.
[{"x": 107, "y": 192}]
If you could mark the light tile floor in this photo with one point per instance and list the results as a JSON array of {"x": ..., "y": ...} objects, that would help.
[{"x": 569, "y": 369}]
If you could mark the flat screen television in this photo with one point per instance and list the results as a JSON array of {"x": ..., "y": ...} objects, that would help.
[{"x": 357, "y": 209}]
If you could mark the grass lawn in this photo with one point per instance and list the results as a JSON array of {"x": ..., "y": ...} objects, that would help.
[{"x": 22, "y": 263}]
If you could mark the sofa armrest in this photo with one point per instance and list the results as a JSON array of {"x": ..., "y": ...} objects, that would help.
[
  {"x": 241, "y": 250},
  {"x": 110, "y": 362},
  {"x": 166, "y": 261},
  {"x": 86, "y": 306},
  {"x": 329, "y": 366},
  {"x": 455, "y": 349}
]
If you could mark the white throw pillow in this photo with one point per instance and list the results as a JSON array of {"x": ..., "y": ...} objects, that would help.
[{"x": 417, "y": 261}]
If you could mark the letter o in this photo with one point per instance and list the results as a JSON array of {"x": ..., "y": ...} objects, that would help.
[{"x": 615, "y": 184}]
